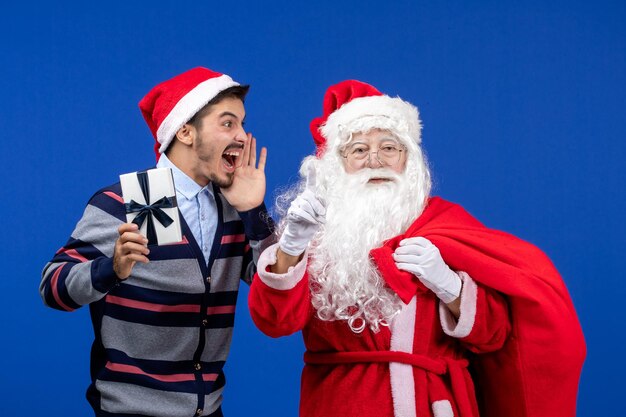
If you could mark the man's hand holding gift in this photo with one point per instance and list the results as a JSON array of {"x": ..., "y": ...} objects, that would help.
[{"x": 131, "y": 247}]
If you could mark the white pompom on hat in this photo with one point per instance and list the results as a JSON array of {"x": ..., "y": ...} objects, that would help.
[
  {"x": 172, "y": 103},
  {"x": 354, "y": 106}
]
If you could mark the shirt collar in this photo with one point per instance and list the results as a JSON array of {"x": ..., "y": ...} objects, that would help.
[{"x": 184, "y": 185}]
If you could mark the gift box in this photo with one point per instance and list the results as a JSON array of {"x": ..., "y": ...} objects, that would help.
[{"x": 150, "y": 200}]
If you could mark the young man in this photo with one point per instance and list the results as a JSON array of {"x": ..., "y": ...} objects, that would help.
[
  {"x": 397, "y": 293},
  {"x": 163, "y": 315}
]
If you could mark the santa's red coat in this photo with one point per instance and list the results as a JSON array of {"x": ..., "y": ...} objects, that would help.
[{"x": 364, "y": 375}]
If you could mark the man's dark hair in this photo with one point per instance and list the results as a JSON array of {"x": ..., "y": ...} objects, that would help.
[{"x": 238, "y": 91}]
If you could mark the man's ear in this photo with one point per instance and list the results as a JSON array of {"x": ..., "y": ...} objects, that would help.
[{"x": 186, "y": 134}]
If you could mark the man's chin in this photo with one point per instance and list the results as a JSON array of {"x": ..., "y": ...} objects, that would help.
[{"x": 223, "y": 182}]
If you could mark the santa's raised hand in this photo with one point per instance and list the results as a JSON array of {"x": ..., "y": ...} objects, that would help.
[
  {"x": 248, "y": 188},
  {"x": 305, "y": 215}
]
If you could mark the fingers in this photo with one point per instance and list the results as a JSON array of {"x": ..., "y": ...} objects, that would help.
[
  {"x": 415, "y": 250},
  {"x": 412, "y": 259},
  {"x": 409, "y": 267},
  {"x": 127, "y": 248},
  {"x": 248, "y": 157},
  {"x": 135, "y": 257},
  {"x": 137, "y": 251},
  {"x": 300, "y": 209},
  {"x": 315, "y": 204},
  {"x": 252, "y": 158},
  {"x": 129, "y": 232},
  {"x": 299, "y": 214},
  {"x": 262, "y": 159},
  {"x": 311, "y": 177},
  {"x": 245, "y": 154},
  {"x": 307, "y": 207},
  {"x": 130, "y": 247},
  {"x": 419, "y": 241},
  {"x": 127, "y": 227},
  {"x": 310, "y": 188}
]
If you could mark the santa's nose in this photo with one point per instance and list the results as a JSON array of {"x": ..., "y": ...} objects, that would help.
[{"x": 373, "y": 161}]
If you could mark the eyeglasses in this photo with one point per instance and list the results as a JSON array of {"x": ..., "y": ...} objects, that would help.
[{"x": 358, "y": 155}]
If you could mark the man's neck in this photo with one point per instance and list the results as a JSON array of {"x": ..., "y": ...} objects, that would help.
[{"x": 182, "y": 161}]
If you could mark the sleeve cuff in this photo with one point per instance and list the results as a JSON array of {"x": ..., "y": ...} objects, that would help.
[
  {"x": 286, "y": 281},
  {"x": 103, "y": 277},
  {"x": 463, "y": 326},
  {"x": 257, "y": 223}
]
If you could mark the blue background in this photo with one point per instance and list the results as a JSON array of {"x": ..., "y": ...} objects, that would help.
[{"x": 523, "y": 110}]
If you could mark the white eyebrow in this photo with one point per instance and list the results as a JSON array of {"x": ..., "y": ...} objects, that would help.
[{"x": 368, "y": 144}]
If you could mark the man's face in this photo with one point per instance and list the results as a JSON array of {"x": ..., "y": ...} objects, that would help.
[
  {"x": 219, "y": 142},
  {"x": 374, "y": 149}
]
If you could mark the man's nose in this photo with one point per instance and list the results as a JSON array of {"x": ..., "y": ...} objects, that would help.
[{"x": 241, "y": 135}]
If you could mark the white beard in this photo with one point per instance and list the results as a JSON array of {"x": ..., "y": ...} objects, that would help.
[{"x": 360, "y": 216}]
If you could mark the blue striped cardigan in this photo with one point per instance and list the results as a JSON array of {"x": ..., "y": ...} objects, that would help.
[{"x": 161, "y": 336}]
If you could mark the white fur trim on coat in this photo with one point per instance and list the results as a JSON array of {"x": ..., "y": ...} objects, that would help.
[
  {"x": 284, "y": 281},
  {"x": 401, "y": 374},
  {"x": 375, "y": 112},
  {"x": 442, "y": 408},
  {"x": 189, "y": 105},
  {"x": 465, "y": 323}
]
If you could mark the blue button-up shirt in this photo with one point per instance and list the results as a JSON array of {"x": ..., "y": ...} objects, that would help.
[{"x": 196, "y": 204}]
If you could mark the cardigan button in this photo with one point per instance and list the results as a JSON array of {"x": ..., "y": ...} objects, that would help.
[
  {"x": 208, "y": 279},
  {"x": 197, "y": 366},
  {"x": 199, "y": 411}
]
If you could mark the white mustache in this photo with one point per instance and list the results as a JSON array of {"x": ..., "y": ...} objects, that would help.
[{"x": 366, "y": 174}]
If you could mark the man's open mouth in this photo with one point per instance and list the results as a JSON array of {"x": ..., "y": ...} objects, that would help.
[{"x": 230, "y": 158}]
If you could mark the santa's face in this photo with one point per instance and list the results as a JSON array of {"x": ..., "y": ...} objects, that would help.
[
  {"x": 373, "y": 190},
  {"x": 374, "y": 149}
]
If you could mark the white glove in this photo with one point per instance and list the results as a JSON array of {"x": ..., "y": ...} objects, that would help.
[
  {"x": 304, "y": 217},
  {"x": 420, "y": 257}
]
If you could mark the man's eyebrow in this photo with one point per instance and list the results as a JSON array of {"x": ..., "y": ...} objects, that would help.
[{"x": 227, "y": 113}]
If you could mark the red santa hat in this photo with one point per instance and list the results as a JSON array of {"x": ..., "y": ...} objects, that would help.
[
  {"x": 353, "y": 106},
  {"x": 171, "y": 104}
]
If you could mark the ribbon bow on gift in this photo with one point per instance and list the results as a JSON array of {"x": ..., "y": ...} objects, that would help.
[{"x": 148, "y": 211}]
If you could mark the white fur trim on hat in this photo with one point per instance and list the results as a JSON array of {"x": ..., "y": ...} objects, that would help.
[
  {"x": 189, "y": 105},
  {"x": 373, "y": 112}
]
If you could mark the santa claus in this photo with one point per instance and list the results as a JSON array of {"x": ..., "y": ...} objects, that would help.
[{"x": 408, "y": 305}]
